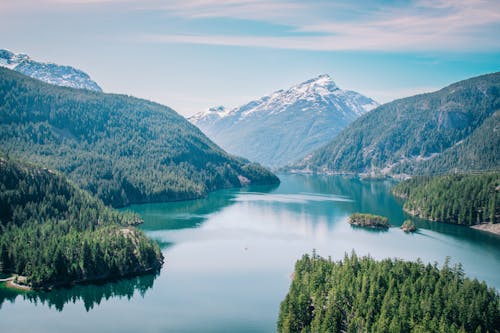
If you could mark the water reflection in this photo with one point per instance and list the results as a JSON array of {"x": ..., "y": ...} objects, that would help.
[
  {"x": 369, "y": 229},
  {"x": 229, "y": 258},
  {"x": 364, "y": 196},
  {"x": 488, "y": 240},
  {"x": 90, "y": 295},
  {"x": 190, "y": 214}
]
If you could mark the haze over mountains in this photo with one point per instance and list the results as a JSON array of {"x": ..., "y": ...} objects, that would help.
[
  {"x": 65, "y": 76},
  {"x": 454, "y": 129},
  {"x": 280, "y": 128}
]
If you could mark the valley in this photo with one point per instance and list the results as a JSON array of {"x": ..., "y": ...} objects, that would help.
[
  {"x": 278, "y": 129},
  {"x": 122, "y": 211}
]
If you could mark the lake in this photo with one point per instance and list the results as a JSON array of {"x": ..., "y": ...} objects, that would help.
[{"x": 229, "y": 258}]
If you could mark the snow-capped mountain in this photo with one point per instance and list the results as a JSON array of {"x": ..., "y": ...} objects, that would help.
[
  {"x": 280, "y": 128},
  {"x": 65, "y": 76}
]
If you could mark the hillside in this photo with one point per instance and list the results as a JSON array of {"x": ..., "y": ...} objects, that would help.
[
  {"x": 65, "y": 76},
  {"x": 365, "y": 295},
  {"x": 53, "y": 233},
  {"x": 280, "y": 128},
  {"x": 122, "y": 149},
  {"x": 458, "y": 199},
  {"x": 453, "y": 128}
]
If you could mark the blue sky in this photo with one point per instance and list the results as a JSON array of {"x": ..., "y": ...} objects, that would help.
[{"x": 193, "y": 54}]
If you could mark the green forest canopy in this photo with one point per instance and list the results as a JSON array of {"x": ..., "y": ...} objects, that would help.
[
  {"x": 455, "y": 128},
  {"x": 369, "y": 220},
  {"x": 54, "y": 233},
  {"x": 122, "y": 149},
  {"x": 365, "y": 295},
  {"x": 466, "y": 199}
]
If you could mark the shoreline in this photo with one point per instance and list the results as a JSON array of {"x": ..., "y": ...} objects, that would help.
[
  {"x": 485, "y": 227},
  {"x": 19, "y": 287},
  {"x": 488, "y": 227},
  {"x": 9, "y": 282}
]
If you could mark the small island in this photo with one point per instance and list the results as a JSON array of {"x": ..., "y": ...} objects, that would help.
[
  {"x": 369, "y": 220},
  {"x": 409, "y": 226}
]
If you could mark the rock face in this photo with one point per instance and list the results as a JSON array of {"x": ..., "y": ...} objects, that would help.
[
  {"x": 64, "y": 76},
  {"x": 284, "y": 126}
]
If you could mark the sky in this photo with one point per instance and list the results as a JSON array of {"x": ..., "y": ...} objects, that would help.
[{"x": 195, "y": 54}]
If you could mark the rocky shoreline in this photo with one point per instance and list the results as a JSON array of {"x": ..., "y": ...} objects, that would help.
[
  {"x": 12, "y": 284},
  {"x": 488, "y": 227}
]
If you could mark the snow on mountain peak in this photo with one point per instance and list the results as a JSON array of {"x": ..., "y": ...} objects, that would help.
[
  {"x": 65, "y": 76},
  {"x": 279, "y": 128},
  {"x": 215, "y": 112},
  {"x": 319, "y": 94}
]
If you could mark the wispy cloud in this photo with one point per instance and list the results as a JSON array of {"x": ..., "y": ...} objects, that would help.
[
  {"x": 239, "y": 9},
  {"x": 417, "y": 25},
  {"x": 464, "y": 25}
]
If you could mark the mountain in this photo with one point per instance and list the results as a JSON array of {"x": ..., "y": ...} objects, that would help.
[
  {"x": 454, "y": 129},
  {"x": 53, "y": 233},
  {"x": 65, "y": 76},
  {"x": 122, "y": 149},
  {"x": 286, "y": 125}
]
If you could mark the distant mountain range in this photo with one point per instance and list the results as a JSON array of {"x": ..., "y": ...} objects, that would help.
[
  {"x": 454, "y": 129},
  {"x": 122, "y": 149},
  {"x": 282, "y": 127},
  {"x": 65, "y": 76}
]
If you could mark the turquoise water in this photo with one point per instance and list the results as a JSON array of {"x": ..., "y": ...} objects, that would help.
[{"x": 229, "y": 258}]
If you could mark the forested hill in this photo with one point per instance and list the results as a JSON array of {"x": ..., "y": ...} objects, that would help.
[
  {"x": 123, "y": 149},
  {"x": 53, "y": 233},
  {"x": 459, "y": 199},
  {"x": 364, "y": 295},
  {"x": 455, "y": 128}
]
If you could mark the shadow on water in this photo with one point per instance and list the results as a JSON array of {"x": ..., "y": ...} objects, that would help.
[
  {"x": 372, "y": 197},
  {"x": 174, "y": 215},
  {"x": 192, "y": 213},
  {"x": 487, "y": 240},
  {"x": 374, "y": 230},
  {"x": 90, "y": 295}
]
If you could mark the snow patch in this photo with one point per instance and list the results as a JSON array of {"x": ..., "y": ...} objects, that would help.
[{"x": 65, "y": 76}]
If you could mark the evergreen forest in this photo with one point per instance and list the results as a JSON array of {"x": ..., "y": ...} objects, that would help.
[
  {"x": 453, "y": 129},
  {"x": 53, "y": 233},
  {"x": 464, "y": 199},
  {"x": 360, "y": 294},
  {"x": 122, "y": 149}
]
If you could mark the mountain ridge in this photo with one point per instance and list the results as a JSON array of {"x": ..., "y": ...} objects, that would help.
[
  {"x": 122, "y": 149},
  {"x": 277, "y": 128},
  {"x": 417, "y": 134},
  {"x": 65, "y": 76}
]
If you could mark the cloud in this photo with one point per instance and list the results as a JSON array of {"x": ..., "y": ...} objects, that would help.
[
  {"x": 239, "y": 9},
  {"x": 418, "y": 25},
  {"x": 456, "y": 25}
]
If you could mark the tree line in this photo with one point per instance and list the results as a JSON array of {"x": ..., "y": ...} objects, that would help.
[
  {"x": 464, "y": 199},
  {"x": 54, "y": 233},
  {"x": 360, "y": 294},
  {"x": 122, "y": 149}
]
